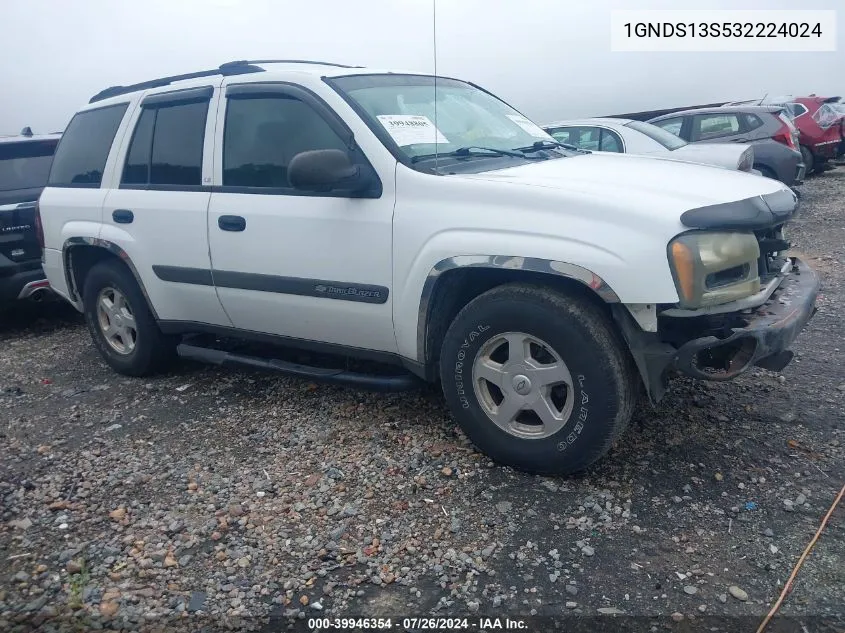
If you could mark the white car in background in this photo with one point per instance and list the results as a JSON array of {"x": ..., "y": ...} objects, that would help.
[{"x": 627, "y": 136}]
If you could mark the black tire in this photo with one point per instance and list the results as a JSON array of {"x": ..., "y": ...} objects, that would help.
[
  {"x": 808, "y": 159},
  {"x": 153, "y": 351},
  {"x": 604, "y": 387}
]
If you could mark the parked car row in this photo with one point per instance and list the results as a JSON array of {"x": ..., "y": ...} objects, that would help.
[
  {"x": 746, "y": 138},
  {"x": 820, "y": 122},
  {"x": 426, "y": 224},
  {"x": 636, "y": 137}
]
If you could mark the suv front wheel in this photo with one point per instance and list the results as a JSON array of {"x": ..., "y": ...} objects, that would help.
[
  {"x": 121, "y": 324},
  {"x": 538, "y": 380}
]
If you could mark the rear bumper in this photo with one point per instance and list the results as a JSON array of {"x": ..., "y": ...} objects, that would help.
[
  {"x": 827, "y": 149},
  {"x": 20, "y": 282},
  {"x": 763, "y": 341}
]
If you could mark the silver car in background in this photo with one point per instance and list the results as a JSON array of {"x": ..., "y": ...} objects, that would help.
[
  {"x": 768, "y": 129},
  {"x": 608, "y": 134}
]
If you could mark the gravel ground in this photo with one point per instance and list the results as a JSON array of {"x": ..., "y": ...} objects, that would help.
[{"x": 219, "y": 498}]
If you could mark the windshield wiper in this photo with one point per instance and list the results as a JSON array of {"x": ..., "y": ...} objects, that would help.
[
  {"x": 473, "y": 150},
  {"x": 541, "y": 145}
]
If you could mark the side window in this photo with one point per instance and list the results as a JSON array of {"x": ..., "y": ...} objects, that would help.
[
  {"x": 82, "y": 153},
  {"x": 136, "y": 171},
  {"x": 797, "y": 109},
  {"x": 263, "y": 133},
  {"x": 562, "y": 135},
  {"x": 609, "y": 141},
  {"x": 588, "y": 138},
  {"x": 707, "y": 126},
  {"x": 752, "y": 122},
  {"x": 673, "y": 126},
  {"x": 166, "y": 147}
]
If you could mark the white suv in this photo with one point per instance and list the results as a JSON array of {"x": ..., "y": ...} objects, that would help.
[{"x": 423, "y": 223}]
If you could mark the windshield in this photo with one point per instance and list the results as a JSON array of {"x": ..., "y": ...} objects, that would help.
[
  {"x": 666, "y": 139},
  {"x": 401, "y": 108},
  {"x": 25, "y": 165}
]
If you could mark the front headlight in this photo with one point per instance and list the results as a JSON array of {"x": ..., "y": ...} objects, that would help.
[{"x": 714, "y": 268}]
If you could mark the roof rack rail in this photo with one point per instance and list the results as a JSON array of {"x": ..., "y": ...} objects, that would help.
[
  {"x": 238, "y": 67},
  {"x": 224, "y": 69},
  {"x": 284, "y": 61}
]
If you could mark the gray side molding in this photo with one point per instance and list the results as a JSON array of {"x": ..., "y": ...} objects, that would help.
[
  {"x": 505, "y": 262},
  {"x": 111, "y": 247}
]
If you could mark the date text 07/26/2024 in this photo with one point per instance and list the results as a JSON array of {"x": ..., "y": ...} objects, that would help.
[{"x": 416, "y": 624}]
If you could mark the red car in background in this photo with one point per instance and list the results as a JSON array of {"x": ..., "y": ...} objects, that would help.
[{"x": 821, "y": 124}]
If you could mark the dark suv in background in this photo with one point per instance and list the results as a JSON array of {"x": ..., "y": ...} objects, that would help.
[
  {"x": 766, "y": 128},
  {"x": 24, "y": 165}
]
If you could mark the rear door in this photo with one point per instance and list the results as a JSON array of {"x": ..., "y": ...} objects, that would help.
[
  {"x": 157, "y": 204},
  {"x": 24, "y": 167}
]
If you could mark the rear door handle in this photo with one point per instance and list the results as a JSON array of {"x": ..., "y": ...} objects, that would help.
[
  {"x": 231, "y": 223},
  {"x": 122, "y": 216}
]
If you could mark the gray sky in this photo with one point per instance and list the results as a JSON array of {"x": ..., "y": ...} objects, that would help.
[{"x": 549, "y": 58}]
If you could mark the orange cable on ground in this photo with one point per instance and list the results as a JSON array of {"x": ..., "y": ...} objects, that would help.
[{"x": 800, "y": 562}]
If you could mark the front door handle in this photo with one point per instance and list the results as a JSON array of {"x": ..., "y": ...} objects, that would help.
[
  {"x": 231, "y": 223},
  {"x": 122, "y": 216}
]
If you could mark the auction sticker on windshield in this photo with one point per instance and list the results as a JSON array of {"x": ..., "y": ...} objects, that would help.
[
  {"x": 529, "y": 126},
  {"x": 410, "y": 129}
]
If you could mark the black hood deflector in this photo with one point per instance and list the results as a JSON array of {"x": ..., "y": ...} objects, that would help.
[{"x": 759, "y": 212}]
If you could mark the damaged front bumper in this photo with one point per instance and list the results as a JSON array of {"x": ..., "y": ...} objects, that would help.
[{"x": 754, "y": 336}]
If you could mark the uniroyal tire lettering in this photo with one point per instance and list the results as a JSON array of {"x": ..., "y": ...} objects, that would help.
[
  {"x": 459, "y": 378},
  {"x": 583, "y": 413}
]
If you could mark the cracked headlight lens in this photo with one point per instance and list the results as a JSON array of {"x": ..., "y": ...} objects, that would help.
[{"x": 714, "y": 268}]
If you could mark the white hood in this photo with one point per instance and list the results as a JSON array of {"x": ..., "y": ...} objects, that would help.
[{"x": 661, "y": 184}]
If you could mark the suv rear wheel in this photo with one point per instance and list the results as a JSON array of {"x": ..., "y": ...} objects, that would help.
[
  {"x": 537, "y": 379},
  {"x": 121, "y": 324}
]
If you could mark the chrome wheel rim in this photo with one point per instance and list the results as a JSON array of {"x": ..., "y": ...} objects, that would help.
[
  {"x": 116, "y": 321},
  {"x": 523, "y": 385}
]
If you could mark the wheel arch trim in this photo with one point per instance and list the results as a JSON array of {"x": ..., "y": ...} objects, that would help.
[
  {"x": 502, "y": 262},
  {"x": 96, "y": 242}
]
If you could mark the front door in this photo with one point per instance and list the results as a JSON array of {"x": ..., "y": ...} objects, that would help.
[{"x": 302, "y": 265}]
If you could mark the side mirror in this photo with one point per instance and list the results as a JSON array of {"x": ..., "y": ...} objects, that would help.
[{"x": 326, "y": 170}]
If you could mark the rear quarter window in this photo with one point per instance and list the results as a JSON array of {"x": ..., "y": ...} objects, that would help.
[
  {"x": 81, "y": 156},
  {"x": 752, "y": 122}
]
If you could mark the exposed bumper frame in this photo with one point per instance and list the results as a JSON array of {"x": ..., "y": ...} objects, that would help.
[{"x": 763, "y": 341}]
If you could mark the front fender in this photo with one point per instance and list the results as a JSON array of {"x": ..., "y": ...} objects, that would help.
[{"x": 417, "y": 348}]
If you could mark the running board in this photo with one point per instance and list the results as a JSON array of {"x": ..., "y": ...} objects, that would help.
[{"x": 370, "y": 382}]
